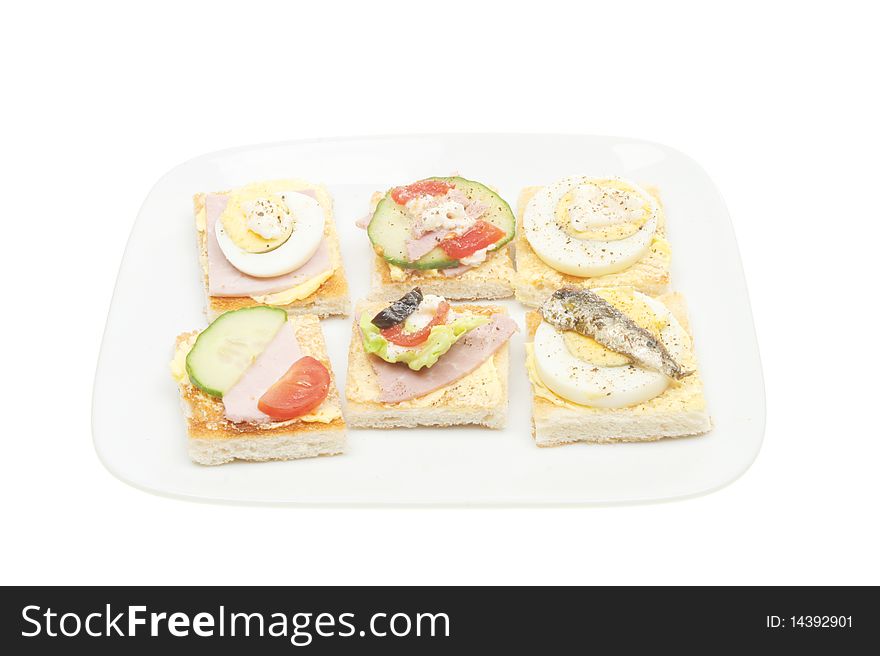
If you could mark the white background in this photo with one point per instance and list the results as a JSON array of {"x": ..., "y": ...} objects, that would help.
[{"x": 777, "y": 101}]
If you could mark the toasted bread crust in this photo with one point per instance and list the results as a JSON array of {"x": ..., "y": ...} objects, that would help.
[{"x": 329, "y": 442}]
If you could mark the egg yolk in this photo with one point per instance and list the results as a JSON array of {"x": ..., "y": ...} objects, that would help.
[
  {"x": 589, "y": 350},
  {"x": 257, "y": 219},
  {"x": 602, "y": 210}
]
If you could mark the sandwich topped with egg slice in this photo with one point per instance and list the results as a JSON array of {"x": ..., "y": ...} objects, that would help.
[
  {"x": 588, "y": 232},
  {"x": 421, "y": 361},
  {"x": 447, "y": 235},
  {"x": 613, "y": 365},
  {"x": 257, "y": 385},
  {"x": 271, "y": 243}
]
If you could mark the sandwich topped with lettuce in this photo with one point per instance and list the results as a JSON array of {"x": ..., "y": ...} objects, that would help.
[{"x": 421, "y": 361}]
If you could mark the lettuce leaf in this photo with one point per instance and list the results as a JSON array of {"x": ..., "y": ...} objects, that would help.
[{"x": 425, "y": 354}]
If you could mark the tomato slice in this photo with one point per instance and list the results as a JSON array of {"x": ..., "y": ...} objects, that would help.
[
  {"x": 481, "y": 234},
  {"x": 299, "y": 391},
  {"x": 395, "y": 334},
  {"x": 402, "y": 195}
]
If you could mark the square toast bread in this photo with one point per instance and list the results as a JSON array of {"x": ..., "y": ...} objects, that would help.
[
  {"x": 679, "y": 412},
  {"x": 479, "y": 398},
  {"x": 214, "y": 440},
  {"x": 331, "y": 298}
]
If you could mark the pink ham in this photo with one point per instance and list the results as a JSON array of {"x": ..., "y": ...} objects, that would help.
[
  {"x": 240, "y": 401},
  {"x": 397, "y": 382},
  {"x": 415, "y": 248},
  {"x": 225, "y": 280}
]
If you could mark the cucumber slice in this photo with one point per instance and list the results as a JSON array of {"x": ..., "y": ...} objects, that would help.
[
  {"x": 226, "y": 348},
  {"x": 389, "y": 228}
]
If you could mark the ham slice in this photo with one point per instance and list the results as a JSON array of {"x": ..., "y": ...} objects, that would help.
[
  {"x": 397, "y": 382},
  {"x": 240, "y": 400},
  {"x": 225, "y": 280},
  {"x": 415, "y": 248}
]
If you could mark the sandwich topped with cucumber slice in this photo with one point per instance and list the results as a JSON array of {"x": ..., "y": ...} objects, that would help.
[
  {"x": 256, "y": 385},
  {"x": 447, "y": 234}
]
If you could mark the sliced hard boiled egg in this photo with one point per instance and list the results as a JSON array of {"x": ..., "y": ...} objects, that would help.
[
  {"x": 306, "y": 232},
  {"x": 616, "y": 384},
  {"x": 587, "y": 226}
]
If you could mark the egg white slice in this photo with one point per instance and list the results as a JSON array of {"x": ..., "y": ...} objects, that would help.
[
  {"x": 582, "y": 257},
  {"x": 308, "y": 231},
  {"x": 604, "y": 387}
]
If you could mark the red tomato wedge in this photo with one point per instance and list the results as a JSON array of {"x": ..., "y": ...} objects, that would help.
[
  {"x": 302, "y": 389},
  {"x": 482, "y": 234},
  {"x": 402, "y": 195},
  {"x": 395, "y": 334}
]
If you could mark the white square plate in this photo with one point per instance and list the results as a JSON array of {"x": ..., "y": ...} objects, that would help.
[{"x": 139, "y": 432}]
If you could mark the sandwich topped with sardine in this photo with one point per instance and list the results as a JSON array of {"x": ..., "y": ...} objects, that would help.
[{"x": 612, "y": 364}]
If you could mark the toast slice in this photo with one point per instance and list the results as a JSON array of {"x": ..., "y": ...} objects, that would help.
[
  {"x": 214, "y": 440},
  {"x": 535, "y": 281},
  {"x": 329, "y": 299},
  {"x": 679, "y": 412},
  {"x": 479, "y": 398}
]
